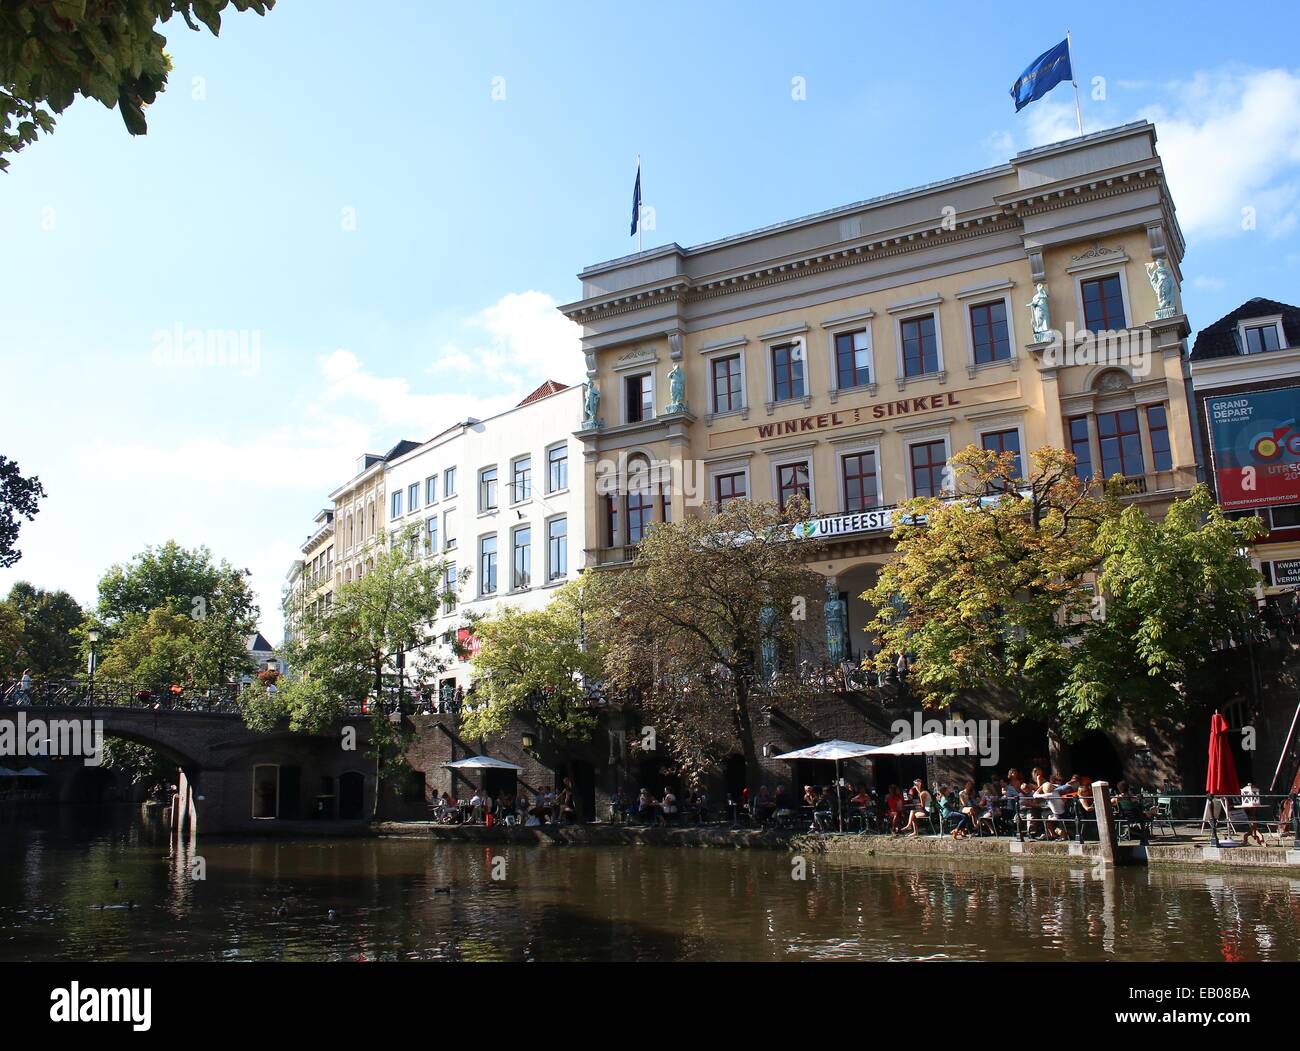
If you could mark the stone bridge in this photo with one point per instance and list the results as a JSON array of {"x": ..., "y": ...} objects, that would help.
[{"x": 229, "y": 779}]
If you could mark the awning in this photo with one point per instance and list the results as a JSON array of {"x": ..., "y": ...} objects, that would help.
[
  {"x": 482, "y": 762},
  {"x": 928, "y": 744},
  {"x": 831, "y": 750}
]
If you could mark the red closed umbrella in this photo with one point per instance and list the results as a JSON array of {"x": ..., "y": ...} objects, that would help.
[{"x": 1221, "y": 777}]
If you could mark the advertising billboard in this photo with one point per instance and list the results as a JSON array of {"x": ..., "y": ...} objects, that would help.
[{"x": 1255, "y": 447}]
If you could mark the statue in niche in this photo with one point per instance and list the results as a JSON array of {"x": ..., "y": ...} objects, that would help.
[
  {"x": 767, "y": 647},
  {"x": 591, "y": 406},
  {"x": 1162, "y": 283},
  {"x": 677, "y": 388},
  {"x": 835, "y": 613},
  {"x": 1041, "y": 313}
]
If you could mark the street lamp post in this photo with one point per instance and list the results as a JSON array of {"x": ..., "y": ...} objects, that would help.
[{"x": 93, "y": 637}]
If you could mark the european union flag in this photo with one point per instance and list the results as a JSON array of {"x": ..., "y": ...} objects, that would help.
[
  {"x": 1043, "y": 74},
  {"x": 636, "y": 202}
]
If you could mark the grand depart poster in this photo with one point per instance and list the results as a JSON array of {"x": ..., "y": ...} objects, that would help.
[{"x": 1255, "y": 447}]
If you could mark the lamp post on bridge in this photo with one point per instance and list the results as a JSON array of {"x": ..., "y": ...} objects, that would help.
[{"x": 92, "y": 636}]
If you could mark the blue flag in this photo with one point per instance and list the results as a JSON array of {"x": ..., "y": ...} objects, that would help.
[
  {"x": 636, "y": 202},
  {"x": 1043, "y": 74}
]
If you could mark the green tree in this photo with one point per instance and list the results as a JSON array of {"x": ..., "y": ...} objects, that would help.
[
  {"x": 681, "y": 628},
  {"x": 53, "y": 50},
  {"x": 349, "y": 653},
  {"x": 175, "y": 612},
  {"x": 536, "y": 660},
  {"x": 1059, "y": 596},
  {"x": 139, "y": 762},
  {"x": 50, "y": 639},
  {"x": 11, "y": 641},
  {"x": 19, "y": 497}
]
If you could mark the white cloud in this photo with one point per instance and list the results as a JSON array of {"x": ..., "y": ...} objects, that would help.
[
  {"x": 522, "y": 338},
  {"x": 1229, "y": 139}
]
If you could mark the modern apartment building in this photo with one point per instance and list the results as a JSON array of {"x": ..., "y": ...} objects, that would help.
[{"x": 502, "y": 501}]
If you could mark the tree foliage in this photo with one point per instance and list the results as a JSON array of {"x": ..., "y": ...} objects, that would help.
[
  {"x": 19, "y": 498},
  {"x": 537, "y": 660},
  {"x": 173, "y": 614},
  {"x": 54, "y": 50},
  {"x": 1081, "y": 607},
  {"x": 681, "y": 628},
  {"x": 11, "y": 641},
  {"x": 48, "y": 644}
]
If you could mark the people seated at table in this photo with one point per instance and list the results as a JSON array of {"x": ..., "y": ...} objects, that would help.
[
  {"x": 824, "y": 812},
  {"x": 1132, "y": 809},
  {"x": 894, "y": 808},
  {"x": 809, "y": 796},
  {"x": 922, "y": 807},
  {"x": 764, "y": 806},
  {"x": 617, "y": 806},
  {"x": 987, "y": 807},
  {"x": 783, "y": 805},
  {"x": 669, "y": 806}
]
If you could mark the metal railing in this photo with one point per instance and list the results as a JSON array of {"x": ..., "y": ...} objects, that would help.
[{"x": 79, "y": 693}]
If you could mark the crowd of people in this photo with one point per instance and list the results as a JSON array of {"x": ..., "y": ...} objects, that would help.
[{"x": 551, "y": 805}]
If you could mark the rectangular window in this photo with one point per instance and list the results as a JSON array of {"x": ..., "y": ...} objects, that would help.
[
  {"x": 611, "y": 519},
  {"x": 522, "y": 563},
  {"x": 487, "y": 565},
  {"x": 1081, "y": 447},
  {"x": 1285, "y": 517},
  {"x": 448, "y": 533},
  {"x": 730, "y": 487},
  {"x": 727, "y": 394},
  {"x": 557, "y": 468},
  {"x": 852, "y": 360},
  {"x": 431, "y": 489},
  {"x": 1158, "y": 427},
  {"x": 522, "y": 482},
  {"x": 1121, "y": 443},
  {"x": 449, "y": 588},
  {"x": 449, "y": 482},
  {"x": 413, "y": 497},
  {"x": 640, "y": 513},
  {"x": 396, "y": 508},
  {"x": 1261, "y": 338},
  {"x": 557, "y": 548},
  {"x": 791, "y": 481},
  {"x": 989, "y": 335},
  {"x": 920, "y": 347},
  {"x": 1103, "y": 304},
  {"x": 787, "y": 372},
  {"x": 639, "y": 397},
  {"x": 431, "y": 535},
  {"x": 860, "y": 490},
  {"x": 665, "y": 505},
  {"x": 487, "y": 489},
  {"x": 1005, "y": 442},
  {"x": 928, "y": 462}
]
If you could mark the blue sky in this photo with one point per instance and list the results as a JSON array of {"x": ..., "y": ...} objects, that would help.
[{"x": 388, "y": 210}]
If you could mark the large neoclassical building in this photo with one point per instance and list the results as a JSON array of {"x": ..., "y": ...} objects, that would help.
[{"x": 846, "y": 355}]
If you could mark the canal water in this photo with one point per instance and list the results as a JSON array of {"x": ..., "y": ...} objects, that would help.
[{"x": 104, "y": 885}]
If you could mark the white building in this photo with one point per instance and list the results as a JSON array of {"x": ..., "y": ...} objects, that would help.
[{"x": 501, "y": 500}]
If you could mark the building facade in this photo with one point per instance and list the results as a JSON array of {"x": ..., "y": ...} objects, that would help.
[
  {"x": 502, "y": 501},
  {"x": 1245, "y": 378},
  {"x": 360, "y": 522},
  {"x": 845, "y": 356}
]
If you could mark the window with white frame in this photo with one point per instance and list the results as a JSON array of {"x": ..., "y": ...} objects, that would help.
[
  {"x": 396, "y": 510},
  {"x": 1102, "y": 298},
  {"x": 487, "y": 489},
  {"x": 990, "y": 334},
  {"x": 448, "y": 532},
  {"x": 638, "y": 397},
  {"x": 919, "y": 341},
  {"x": 487, "y": 564},
  {"x": 413, "y": 497},
  {"x": 557, "y": 548},
  {"x": 449, "y": 482},
  {"x": 1259, "y": 336},
  {"x": 787, "y": 368},
  {"x": 521, "y": 563},
  {"x": 431, "y": 489},
  {"x": 852, "y": 359},
  {"x": 521, "y": 479},
  {"x": 727, "y": 384},
  {"x": 557, "y": 468}
]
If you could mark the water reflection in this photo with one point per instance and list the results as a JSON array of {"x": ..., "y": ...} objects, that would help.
[{"x": 73, "y": 888}]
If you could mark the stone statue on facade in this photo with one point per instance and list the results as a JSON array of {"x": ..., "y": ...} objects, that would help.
[
  {"x": 1162, "y": 283},
  {"x": 1041, "y": 313},
  {"x": 591, "y": 405},
  {"x": 677, "y": 388},
  {"x": 835, "y": 613},
  {"x": 767, "y": 646}
]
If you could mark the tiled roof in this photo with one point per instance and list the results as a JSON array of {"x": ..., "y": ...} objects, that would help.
[
  {"x": 1219, "y": 339},
  {"x": 544, "y": 391}
]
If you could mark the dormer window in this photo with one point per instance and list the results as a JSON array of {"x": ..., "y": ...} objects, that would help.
[{"x": 1260, "y": 338}]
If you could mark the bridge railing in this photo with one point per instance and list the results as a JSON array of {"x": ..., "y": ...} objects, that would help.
[{"x": 78, "y": 693}]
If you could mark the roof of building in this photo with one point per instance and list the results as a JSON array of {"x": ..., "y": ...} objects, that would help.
[
  {"x": 256, "y": 643},
  {"x": 400, "y": 449},
  {"x": 1219, "y": 340},
  {"x": 544, "y": 391}
]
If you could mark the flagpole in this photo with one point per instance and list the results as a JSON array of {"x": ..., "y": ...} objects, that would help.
[
  {"x": 1078, "y": 113},
  {"x": 638, "y": 203}
]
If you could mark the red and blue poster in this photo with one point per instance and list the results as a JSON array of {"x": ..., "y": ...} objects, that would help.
[{"x": 1255, "y": 447}]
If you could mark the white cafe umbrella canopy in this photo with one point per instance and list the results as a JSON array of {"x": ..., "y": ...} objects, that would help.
[
  {"x": 928, "y": 744},
  {"x": 482, "y": 762},
  {"x": 6, "y": 772},
  {"x": 31, "y": 771},
  {"x": 835, "y": 750}
]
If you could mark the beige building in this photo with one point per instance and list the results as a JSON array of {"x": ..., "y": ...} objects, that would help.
[
  {"x": 846, "y": 355},
  {"x": 360, "y": 515}
]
